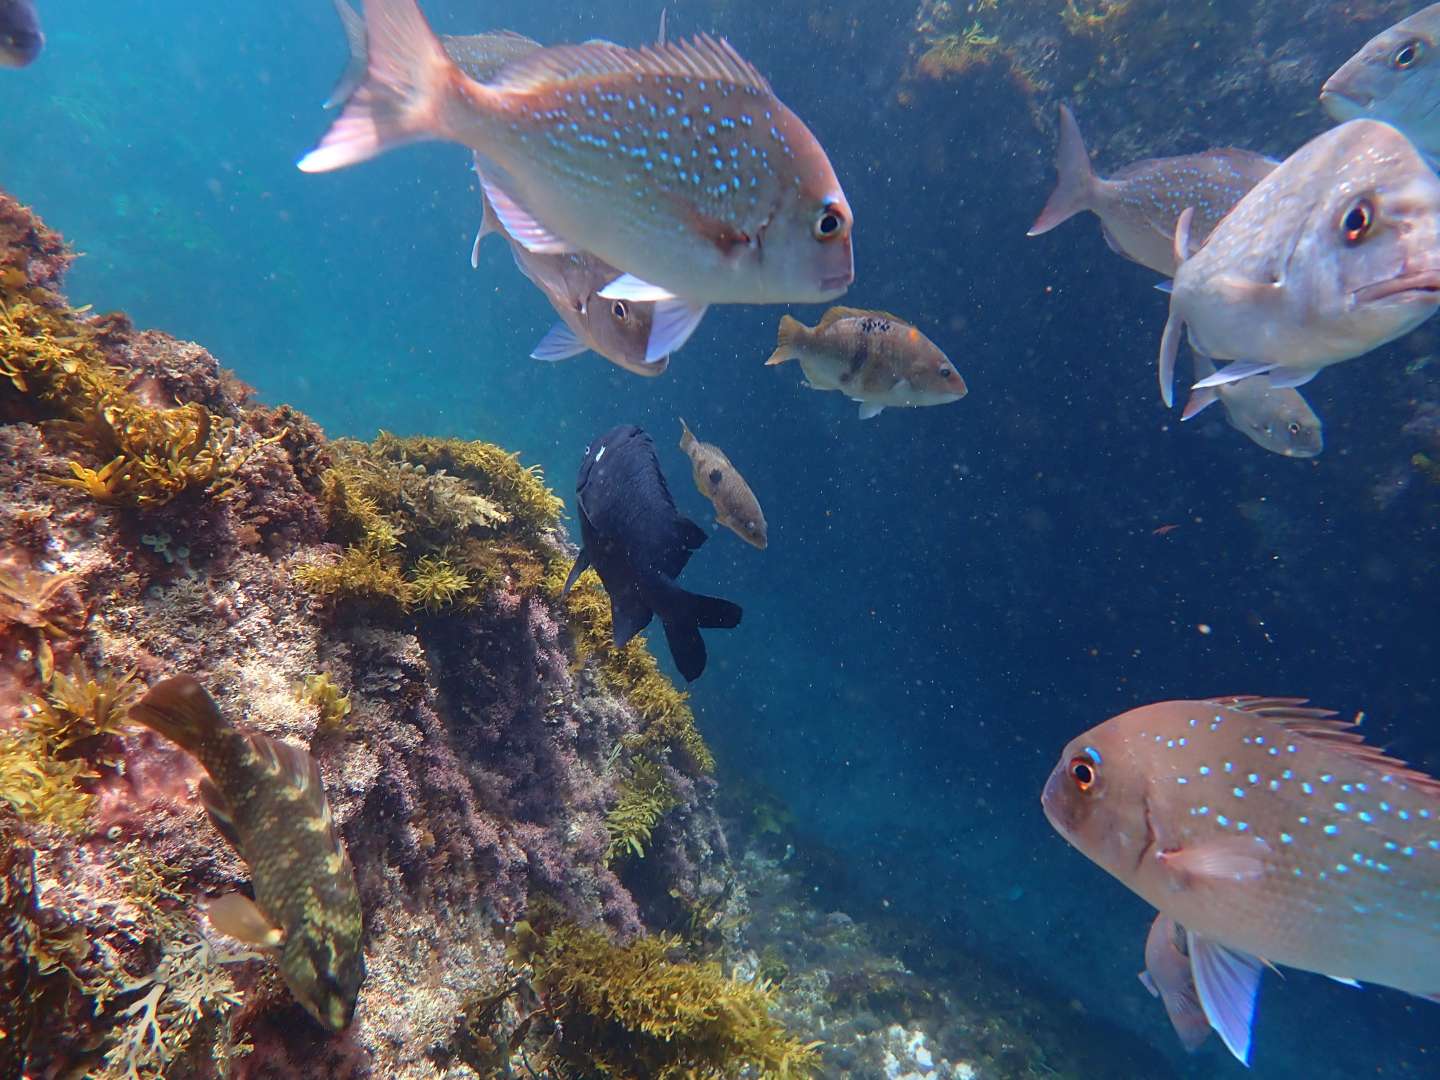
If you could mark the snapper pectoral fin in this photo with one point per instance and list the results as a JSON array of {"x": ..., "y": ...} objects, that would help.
[
  {"x": 671, "y": 324},
  {"x": 519, "y": 224},
  {"x": 1229, "y": 859},
  {"x": 1169, "y": 349},
  {"x": 1240, "y": 369},
  {"x": 1227, "y": 981},
  {"x": 236, "y": 914},
  {"x": 560, "y": 343}
]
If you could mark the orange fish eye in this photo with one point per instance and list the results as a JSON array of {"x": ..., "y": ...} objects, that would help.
[
  {"x": 831, "y": 223},
  {"x": 1083, "y": 771},
  {"x": 1357, "y": 220},
  {"x": 1407, "y": 54}
]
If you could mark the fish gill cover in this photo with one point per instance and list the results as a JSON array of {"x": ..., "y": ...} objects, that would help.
[{"x": 841, "y": 812}]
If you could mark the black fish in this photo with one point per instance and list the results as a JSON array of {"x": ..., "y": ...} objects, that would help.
[
  {"x": 638, "y": 543},
  {"x": 20, "y": 36}
]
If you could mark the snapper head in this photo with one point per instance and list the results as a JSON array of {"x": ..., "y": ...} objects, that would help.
[
  {"x": 1098, "y": 801},
  {"x": 806, "y": 244},
  {"x": 1365, "y": 263},
  {"x": 1394, "y": 77}
]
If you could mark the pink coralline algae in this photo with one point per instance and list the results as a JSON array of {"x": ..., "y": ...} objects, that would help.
[{"x": 471, "y": 777}]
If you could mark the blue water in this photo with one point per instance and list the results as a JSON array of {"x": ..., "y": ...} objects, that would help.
[{"x": 949, "y": 594}]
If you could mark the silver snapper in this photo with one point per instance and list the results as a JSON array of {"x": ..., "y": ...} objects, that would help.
[
  {"x": 1394, "y": 77},
  {"x": 1139, "y": 205},
  {"x": 1276, "y": 418},
  {"x": 618, "y": 330},
  {"x": 1333, "y": 254}
]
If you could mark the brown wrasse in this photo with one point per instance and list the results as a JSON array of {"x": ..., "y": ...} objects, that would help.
[
  {"x": 267, "y": 799},
  {"x": 719, "y": 481},
  {"x": 872, "y": 357},
  {"x": 1272, "y": 833}
]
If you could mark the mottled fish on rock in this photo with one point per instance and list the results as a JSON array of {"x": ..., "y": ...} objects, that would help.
[
  {"x": 1277, "y": 418},
  {"x": 618, "y": 330},
  {"x": 266, "y": 797},
  {"x": 1139, "y": 206},
  {"x": 1272, "y": 833},
  {"x": 20, "y": 37},
  {"x": 1167, "y": 976},
  {"x": 1332, "y": 255},
  {"x": 872, "y": 357},
  {"x": 675, "y": 163},
  {"x": 719, "y": 481},
  {"x": 638, "y": 543},
  {"x": 1395, "y": 77}
]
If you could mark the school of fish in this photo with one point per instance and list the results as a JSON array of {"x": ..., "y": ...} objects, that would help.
[{"x": 637, "y": 186}]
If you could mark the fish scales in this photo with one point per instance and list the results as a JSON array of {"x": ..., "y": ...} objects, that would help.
[{"x": 1335, "y": 847}]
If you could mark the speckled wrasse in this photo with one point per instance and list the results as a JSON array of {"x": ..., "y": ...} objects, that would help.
[
  {"x": 1139, "y": 206},
  {"x": 1271, "y": 833},
  {"x": 267, "y": 799},
  {"x": 675, "y": 163}
]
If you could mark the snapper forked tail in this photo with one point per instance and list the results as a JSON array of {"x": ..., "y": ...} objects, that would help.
[
  {"x": 1074, "y": 186},
  {"x": 410, "y": 87}
]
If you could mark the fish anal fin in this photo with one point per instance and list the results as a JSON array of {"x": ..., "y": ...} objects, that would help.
[
  {"x": 1227, "y": 859},
  {"x": 519, "y": 224},
  {"x": 237, "y": 915},
  {"x": 1227, "y": 982}
]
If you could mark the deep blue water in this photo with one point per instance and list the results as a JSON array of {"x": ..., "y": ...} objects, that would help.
[{"x": 949, "y": 594}]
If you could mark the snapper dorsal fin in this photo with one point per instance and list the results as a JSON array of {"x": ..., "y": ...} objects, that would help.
[
  {"x": 1340, "y": 736},
  {"x": 702, "y": 57}
]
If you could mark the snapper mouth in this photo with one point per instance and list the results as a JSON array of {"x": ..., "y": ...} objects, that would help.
[
  {"x": 837, "y": 281},
  {"x": 1412, "y": 285}
]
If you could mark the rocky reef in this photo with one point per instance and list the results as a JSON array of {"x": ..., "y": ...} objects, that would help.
[{"x": 394, "y": 608}]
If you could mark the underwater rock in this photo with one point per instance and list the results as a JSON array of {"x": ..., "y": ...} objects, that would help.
[{"x": 471, "y": 771}]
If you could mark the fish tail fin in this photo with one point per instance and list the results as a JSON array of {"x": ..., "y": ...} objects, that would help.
[
  {"x": 354, "y": 73},
  {"x": 409, "y": 90},
  {"x": 687, "y": 437},
  {"x": 180, "y": 709},
  {"x": 683, "y": 614},
  {"x": 791, "y": 333},
  {"x": 1076, "y": 181}
]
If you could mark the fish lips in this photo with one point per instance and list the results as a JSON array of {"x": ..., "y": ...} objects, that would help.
[
  {"x": 1344, "y": 103},
  {"x": 1415, "y": 286}
]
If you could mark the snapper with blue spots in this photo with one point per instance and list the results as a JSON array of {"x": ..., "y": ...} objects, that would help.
[
  {"x": 1272, "y": 833},
  {"x": 675, "y": 163}
]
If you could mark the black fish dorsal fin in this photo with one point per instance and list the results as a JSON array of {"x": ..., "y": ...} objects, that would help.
[
  {"x": 1340, "y": 736},
  {"x": 702, "y": 57}
]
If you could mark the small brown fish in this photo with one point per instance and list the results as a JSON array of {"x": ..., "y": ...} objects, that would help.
[
  {"x": 267, "y": 799},
  {"x": 719, "y": 481},
  {"x": 876, "y": 359},
  {"x": 1139, "y": 206},
  {"x": 1167, "y": 976},
  {"x": 1272, "y": 833}
]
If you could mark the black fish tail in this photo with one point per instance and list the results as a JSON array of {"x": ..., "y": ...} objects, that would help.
[
  {"x": 180, "y": 709},
  {"x": 683, "y": 614}
]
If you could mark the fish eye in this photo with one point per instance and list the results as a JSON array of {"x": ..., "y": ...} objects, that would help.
[
  {"x": 1083, "y": 772},
  {"x": 1294, "y": 427},
  {"x": 1407, "y": 54},
  {"x": 831, "y": 222},
  {"x": 946, "y": 372},
  {"x": 619, "y": 310},
  {"x": 1357, "y": 221}
]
